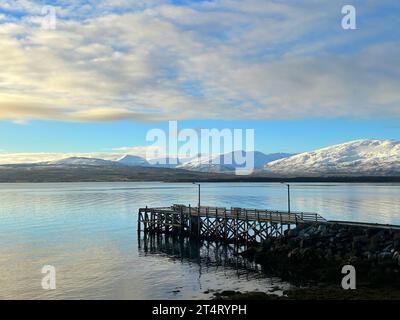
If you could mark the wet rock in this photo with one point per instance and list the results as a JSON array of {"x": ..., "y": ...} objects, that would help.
[
  {"x": 361, "y": 239},
  {"x": 227, "y": 293},
  {"x": 306, "y": 242},
  {"x": 293, "y": 233},
  {"x": 302, "y": 232},
  {"x": 292, "y": 242},
  {"x": 371, "y": 256},
  {"x": 385, "y": 256},
  {"x": 353, "y": 260},
  {"x": 318, "y": 252},
  {"x": 396, "y": 236},
  {"x": 388, "y": 248},
  {"x": 374, "y": 242},
  {"x": 342, "y": 234},
  {"x": 396, "y": 255}
]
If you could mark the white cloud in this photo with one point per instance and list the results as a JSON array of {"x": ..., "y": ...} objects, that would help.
[
  {"x": 152, "y": 61},
  {"x": 114, "y": 154},
  {"x": 17, "y": 158}
]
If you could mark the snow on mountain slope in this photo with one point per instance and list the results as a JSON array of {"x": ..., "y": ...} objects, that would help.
[
  {"x": 227, "y": 162},
  {"x": 131, "y": 160},
  {"x": 366, "y": 157},
  {"x": 80, "y": 161},
  {"x": 168, "y": 162}
]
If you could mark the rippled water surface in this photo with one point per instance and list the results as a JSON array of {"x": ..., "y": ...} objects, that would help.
[{"x": 88, "y": 232}]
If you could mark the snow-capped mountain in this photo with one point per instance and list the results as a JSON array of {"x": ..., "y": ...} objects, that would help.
[
  {"x": 229, "y": 161},
  {"x": 130, "y": 160},
  {"x": 360, "y": 157},
  {"x": 80, "y": 161},
  {"x": 166, "y": 162}
]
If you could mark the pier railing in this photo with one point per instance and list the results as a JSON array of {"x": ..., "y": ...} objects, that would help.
[{"x": 251, "y": 214}]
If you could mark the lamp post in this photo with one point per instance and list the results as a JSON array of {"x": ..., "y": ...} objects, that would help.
[
  {"x": 198, "y": 184},
  {"x": 288, "y": 194}
]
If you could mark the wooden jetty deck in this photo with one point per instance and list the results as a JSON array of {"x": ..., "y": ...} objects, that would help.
[{"x": 217, "y": 223}]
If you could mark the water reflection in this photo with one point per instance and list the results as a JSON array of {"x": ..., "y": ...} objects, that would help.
[{"x": 206, "y": 254}]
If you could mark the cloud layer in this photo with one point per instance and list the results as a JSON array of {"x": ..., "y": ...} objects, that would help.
[{"x": 154, "y": 61}]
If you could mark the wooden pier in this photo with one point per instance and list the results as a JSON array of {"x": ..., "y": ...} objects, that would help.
[{"x": 222, "y": 224}]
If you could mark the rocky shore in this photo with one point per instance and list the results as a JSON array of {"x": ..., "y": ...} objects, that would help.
[
  {"x": 315, "y": 255},
  {"x": 329, "y": 293}
]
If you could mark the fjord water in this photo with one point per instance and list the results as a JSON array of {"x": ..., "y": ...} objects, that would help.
[{"x": 88, "y": 231}]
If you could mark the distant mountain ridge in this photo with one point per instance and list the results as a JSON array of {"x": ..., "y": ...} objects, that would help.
[
  {"x": 228, "y": 162},
  {"x": 220, "y": 163},
  {"x": 80, "y": 161},
  {"x": 359, "y": 157},
  {"x": 131, "y": 160},
  {"x": 354, "y": 158}
]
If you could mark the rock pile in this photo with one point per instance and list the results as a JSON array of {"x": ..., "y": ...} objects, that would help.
[{"x": 317, "y": 253}]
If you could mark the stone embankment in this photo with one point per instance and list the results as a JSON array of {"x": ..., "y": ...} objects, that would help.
[{"x": 317, "y": 253}]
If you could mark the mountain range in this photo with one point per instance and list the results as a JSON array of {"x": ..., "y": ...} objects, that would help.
[
  {"x": 360, "y": 157},
  {"x": 218, "y": 163},
  {"x": 228, "y": 162},
  {"x": 379, "y": 158}
]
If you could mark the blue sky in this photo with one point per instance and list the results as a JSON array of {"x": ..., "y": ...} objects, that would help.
[
  {"x": 112, "y": 70},
  {"x": 291, "y": 136}
]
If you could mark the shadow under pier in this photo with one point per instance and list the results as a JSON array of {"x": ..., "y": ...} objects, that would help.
[{"x": 205, "y": 253}]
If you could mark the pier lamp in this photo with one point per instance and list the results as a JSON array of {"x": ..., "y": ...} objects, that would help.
[
  {"x": 198, "y": 184},
  {"x": 288, "y": 195}
]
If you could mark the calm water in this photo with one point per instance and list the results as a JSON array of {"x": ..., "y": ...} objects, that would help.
[{"x": 88, "y": 232}]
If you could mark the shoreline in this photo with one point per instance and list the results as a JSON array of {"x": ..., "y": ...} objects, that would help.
[
  {"x": 315, "y": 293},
  {"x": 317, "y": 253},
  {"x": 311, "y": 257}
]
